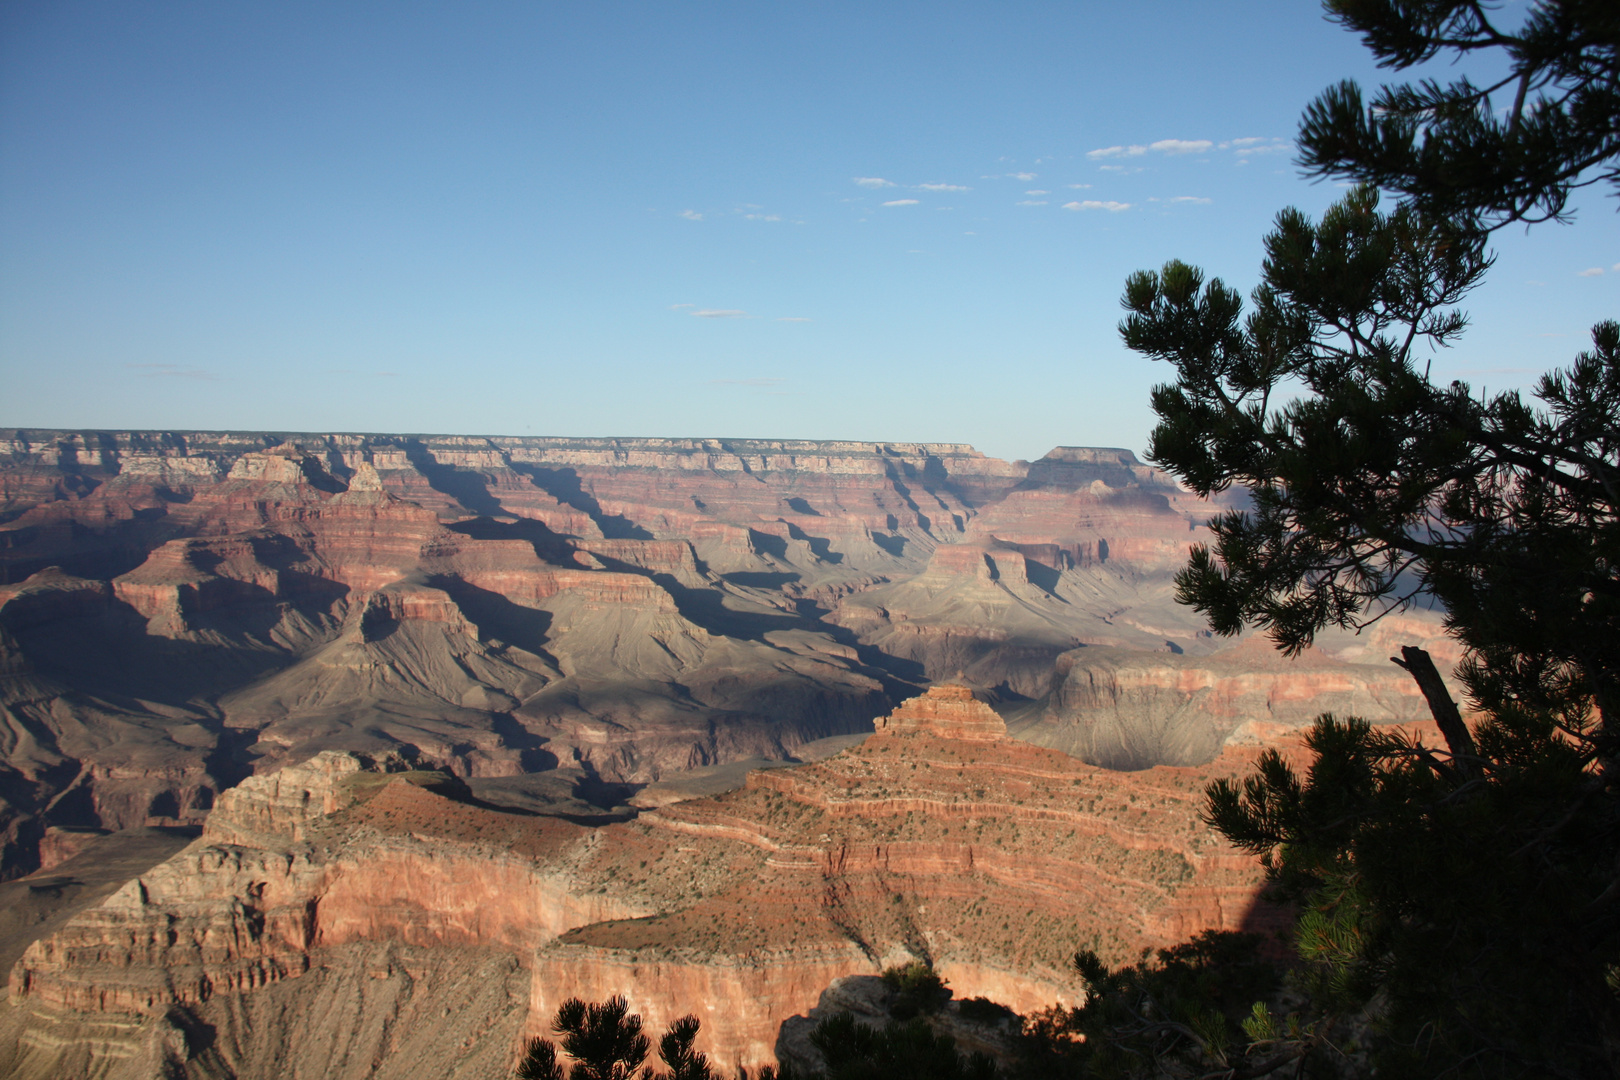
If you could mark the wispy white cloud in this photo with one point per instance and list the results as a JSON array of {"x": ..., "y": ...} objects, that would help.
[
  {"x": 1037, "y": 192},
  {"x": 1592, "y": 271},
  {"x": 1116, "y": 152},
  {"x": 1181, "y": 146},
  {"x": 1093, "y": 204},
  {"x": 1026, "y": 177},
  {"x": 873, "y": 181},
  {"x": 719, "y": 313},
  {"x": 941, "y": 187},
  {"x": 1122, "y": 169},
  {"x": 1078, "y": 187},
  {"x": 1197, "y": 200},
  {"x": 747, "y": 382},
  {"x": 1031, "y": 202},
  {"x": 170, "y": 371},
  {"x": 1615, "y": 268},
  {"x": 901, "y": 202},
  {"x": 1247, "y": 147},
  {"x": 792, "y": 318},
  {"x": 762, "y": 217},
  {"x": 677, "y": 307},
  {"x": 691, "y": 215},
  {"x": 1240, "y": 147}
]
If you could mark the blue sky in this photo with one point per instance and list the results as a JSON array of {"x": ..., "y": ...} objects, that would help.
[{"x": 887, "y": 221}]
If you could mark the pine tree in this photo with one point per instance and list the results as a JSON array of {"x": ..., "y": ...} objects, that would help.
[
  {"x": 1462, "y": 901},
  {"x": 1372, "y": 486},
  {"x": 679, "y": 1051},
  {"x": 606, "y": 1041},
  {"x": 1477, "y": 156},
  {"x": 1468, "y": 896}
]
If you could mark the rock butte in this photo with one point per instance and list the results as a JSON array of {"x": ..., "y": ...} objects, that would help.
[
  {"x": 271, "y": 636},
  {"x": 947, "y": 712}
]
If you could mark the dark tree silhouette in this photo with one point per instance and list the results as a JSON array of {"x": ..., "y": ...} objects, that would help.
[
  {"x": 678, "y": 1050},
  {"x": 607, "y": 1043},
  {"x": 1477, "y": 156},
  {"x": 1371, "y": 486},
  {"x": 539, "y": 1061},
  {"x": 1463, "y": 902},
  {"x": 606, "y": 1038},
  {"x": 899, "y": 1051}
]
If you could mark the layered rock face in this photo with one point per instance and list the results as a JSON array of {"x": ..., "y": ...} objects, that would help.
[
  {"x": 181, "y": 610},
  {"x": 948, "y": 712},
  {"x": 357, "y": 906}
]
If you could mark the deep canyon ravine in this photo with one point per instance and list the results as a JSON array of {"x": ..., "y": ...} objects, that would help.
[{"x": 337, "y": 755}]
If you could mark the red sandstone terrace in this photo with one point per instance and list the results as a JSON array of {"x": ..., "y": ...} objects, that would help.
[{"x": 936, "y": 836}]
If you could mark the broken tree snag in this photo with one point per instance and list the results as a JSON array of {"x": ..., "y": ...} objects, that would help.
[{"x": 1441, "y": 707}]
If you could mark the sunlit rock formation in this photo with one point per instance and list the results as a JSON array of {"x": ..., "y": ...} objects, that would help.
[{"x": 264, "y": 948}]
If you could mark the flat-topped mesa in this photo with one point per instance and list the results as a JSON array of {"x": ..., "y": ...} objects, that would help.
[
  {"x": 1093, "y": 455},
  {"x": 946, "y": 712},
  {"x": 1076, "y": 467}
]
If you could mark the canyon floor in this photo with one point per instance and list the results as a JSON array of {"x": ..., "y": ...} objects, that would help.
[{"x": 473, "y": 724}]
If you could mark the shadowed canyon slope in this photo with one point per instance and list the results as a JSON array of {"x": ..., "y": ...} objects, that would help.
[
  {"x": 562, "y": 620},
  {"x": 344, "y": 918}
]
